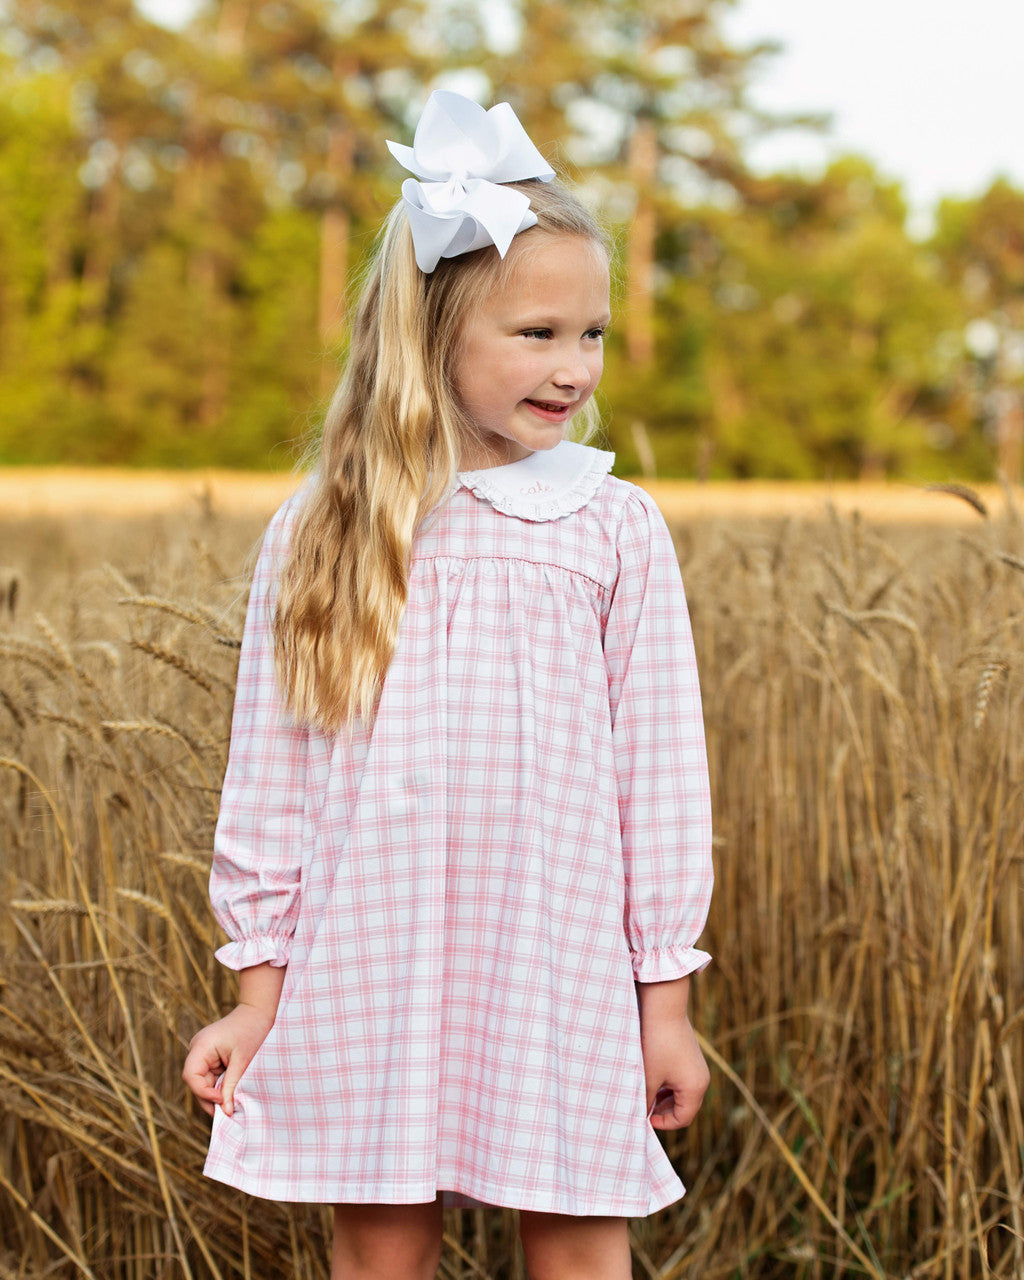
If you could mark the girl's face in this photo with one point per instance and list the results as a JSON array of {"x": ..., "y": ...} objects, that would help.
[{"x": 531, "y": 355}]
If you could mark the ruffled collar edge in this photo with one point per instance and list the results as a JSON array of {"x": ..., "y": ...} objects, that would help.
[{"x": 547, "y": 485}]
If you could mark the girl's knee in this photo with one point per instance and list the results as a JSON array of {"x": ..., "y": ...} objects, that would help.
[
  {"x": 386, "y": 1241},
  {"x": 561, "y": 1246}
]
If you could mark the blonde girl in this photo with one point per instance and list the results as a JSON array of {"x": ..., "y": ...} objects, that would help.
[{"x": 463, "y": 853}]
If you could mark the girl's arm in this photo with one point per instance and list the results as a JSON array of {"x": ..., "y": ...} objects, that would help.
[
  {"x": 255, "y": 879},
  {"x": 228, "y": 1046},
  {"x": 257, "y": 848},
  {"x": 660, "y": 757},
  {"x": 674, "y": 1066},
  {"x": 664, "y": 801}
]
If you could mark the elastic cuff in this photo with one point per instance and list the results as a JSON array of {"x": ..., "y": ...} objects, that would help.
[
  {"x": 665, "y": 964},
  {"x": 249, "y": 951}
]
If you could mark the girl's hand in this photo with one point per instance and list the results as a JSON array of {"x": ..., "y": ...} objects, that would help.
[
  {"x": 675, "y": 1069},
  {"x": 226, "y": 1046}
]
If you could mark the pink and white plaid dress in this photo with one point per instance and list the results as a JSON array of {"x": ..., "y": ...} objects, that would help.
[{"x": 465, "y": 894}]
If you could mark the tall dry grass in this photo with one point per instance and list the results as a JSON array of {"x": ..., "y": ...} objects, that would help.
[{"x": 865, "y": 1015}]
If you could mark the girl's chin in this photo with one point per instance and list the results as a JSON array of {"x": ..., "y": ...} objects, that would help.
[{"x": 499, "y": 452}]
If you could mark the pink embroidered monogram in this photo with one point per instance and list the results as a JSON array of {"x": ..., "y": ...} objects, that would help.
[{"x": 465, "y": 892}]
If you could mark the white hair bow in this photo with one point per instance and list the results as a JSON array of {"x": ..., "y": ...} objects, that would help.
[{"x": 464, "y": 152}]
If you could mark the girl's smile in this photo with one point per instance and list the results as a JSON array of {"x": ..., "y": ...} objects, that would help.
[
  {"x": 554, "y": 412},
  {"x": 533, "y": 353}
]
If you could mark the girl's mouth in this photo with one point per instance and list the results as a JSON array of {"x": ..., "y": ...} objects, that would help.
[{"x": 550, "y": 410}]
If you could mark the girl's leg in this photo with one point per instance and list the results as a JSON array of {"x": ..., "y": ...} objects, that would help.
[
  {"x": 386, "y": 1241},
  {"x": 562, "y": 1246}
]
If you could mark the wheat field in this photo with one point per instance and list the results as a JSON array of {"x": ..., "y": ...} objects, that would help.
[{"x": 864, "y": 1017}]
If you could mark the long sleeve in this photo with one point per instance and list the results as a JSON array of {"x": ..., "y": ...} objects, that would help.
[
  {"x": 255, "y": 878},
  {"x": 660, "y": 756}
]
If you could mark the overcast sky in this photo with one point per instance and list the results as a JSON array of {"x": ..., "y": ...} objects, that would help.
[{"x": 931, "y": 90}]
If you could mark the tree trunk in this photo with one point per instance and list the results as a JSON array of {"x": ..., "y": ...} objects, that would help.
[
  {"x": 1010, "y": 433},
  {"x": 334, "y": 233},
  {"x": 644, "y": 450},
  {"x": 231, "y": 25},
  {"x": 101, "y": 246},
  {"x": 335, "y": 227},
  {"x": 643, "y": 172}
]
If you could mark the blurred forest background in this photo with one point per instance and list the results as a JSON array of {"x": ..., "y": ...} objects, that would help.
[{"x": 182, "y": 214}]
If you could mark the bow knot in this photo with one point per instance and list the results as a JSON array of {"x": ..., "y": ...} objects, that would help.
[{"x": 465, "y": 153}]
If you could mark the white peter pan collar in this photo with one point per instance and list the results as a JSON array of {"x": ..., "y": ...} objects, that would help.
[{"x": 546, "y": 485}]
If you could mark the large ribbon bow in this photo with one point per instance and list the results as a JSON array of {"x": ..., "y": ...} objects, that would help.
[{"x": 464, "y": 152}]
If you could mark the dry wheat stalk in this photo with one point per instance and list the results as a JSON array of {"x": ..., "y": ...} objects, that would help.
[
  {"x": 990, "y": 673},
  {"x": 145, "y": 900},
  {"x": 57, "y": 645},
  {"x": 10, "y": 584},
  {"x": 118, "y": 578},
  {"x": 71, "y": 722},
  {"x": 191, "y": 612},
  {"x": 189, "y": 860},
  {"x": 962, "y": 491},
  {"x": 205, "y": 679},
  {"x": 34, "y": 653},
  {"x": 108, "y": 650},
  {"x": 47, "y": 906},
  {"x": 156, "y": 727},
  {"x": 1015, "y": 562},
  {"x": 12, "y": 708}
]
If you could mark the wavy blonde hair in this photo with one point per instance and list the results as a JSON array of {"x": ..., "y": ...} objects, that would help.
[{"x": 389, "y": 453}]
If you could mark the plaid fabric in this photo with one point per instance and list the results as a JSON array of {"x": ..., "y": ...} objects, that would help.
[{"x": 465, "y": 895}]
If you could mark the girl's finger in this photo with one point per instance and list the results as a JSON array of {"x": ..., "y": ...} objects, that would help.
[
  {"x": 227, "y": 1088},
  {"x": 198, "y": 1076},
  {"x": 202, "y": 1064},
  {"x": 685, "y": 1109},
  {"x": 205, "y": 1092},
  {"x": 661, "y": 1104}
]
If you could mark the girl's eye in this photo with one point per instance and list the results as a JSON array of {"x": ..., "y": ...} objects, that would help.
[{"x": 594, "y": 335}]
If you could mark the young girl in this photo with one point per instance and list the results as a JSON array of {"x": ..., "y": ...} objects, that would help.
[{"x": 463, "y": 852}]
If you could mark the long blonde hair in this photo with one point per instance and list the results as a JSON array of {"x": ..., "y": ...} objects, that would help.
[{"x": 389, "y": 453}]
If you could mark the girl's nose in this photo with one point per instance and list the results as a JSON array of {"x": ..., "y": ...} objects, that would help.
[{"x": 575, "y": 373}]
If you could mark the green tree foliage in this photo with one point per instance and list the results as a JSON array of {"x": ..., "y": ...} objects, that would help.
[
  {"x": 183, "y": 214},
  {"x": 979, "y": 246},
  {"x": 43, "y": 349},
  {"x": 176, "y": 212},
  {"x": 804, "y": 328}
]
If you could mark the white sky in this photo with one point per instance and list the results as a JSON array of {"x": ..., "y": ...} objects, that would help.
[{"x": 931, "y": 90}]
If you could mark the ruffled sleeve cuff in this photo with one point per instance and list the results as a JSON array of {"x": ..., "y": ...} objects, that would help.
[
  {"x": 665, "y": 964},
  {"x": 273, "y": 947}
]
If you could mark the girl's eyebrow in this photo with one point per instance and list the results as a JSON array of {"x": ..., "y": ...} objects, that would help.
[{"x": 554, "y": 322}]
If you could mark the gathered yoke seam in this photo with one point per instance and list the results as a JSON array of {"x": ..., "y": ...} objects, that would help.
[{"x": 549, "y": 564}]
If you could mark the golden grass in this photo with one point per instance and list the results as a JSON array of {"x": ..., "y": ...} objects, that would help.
[
  {"x": 30, "y": 492},
  {"x": 865, "y": 1014}
]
